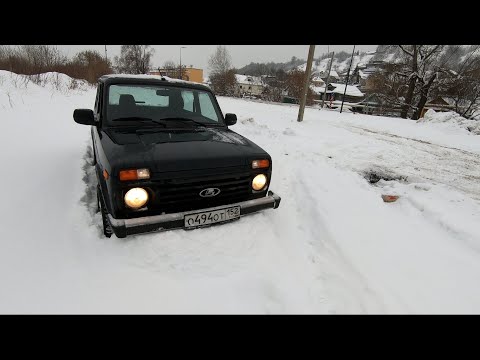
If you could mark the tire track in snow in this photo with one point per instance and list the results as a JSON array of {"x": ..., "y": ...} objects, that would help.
[
  {"x": 425, "y": 160},
  {"x": 349, "y": 289}
]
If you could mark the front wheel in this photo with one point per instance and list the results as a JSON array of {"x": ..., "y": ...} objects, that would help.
[{"x": 107, "y": 229}]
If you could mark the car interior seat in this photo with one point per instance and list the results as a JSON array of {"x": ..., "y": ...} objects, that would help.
[
  {"x": 127, "y": 102},
  {"x": 176, "y": 101}
]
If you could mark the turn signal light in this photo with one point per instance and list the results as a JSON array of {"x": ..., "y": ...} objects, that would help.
[
  {"x": 134, "y": 174},
  {"x": 260, "y": 164}
]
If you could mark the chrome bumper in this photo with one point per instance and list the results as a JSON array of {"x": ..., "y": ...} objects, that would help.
[{"x": 124, "y": 227}]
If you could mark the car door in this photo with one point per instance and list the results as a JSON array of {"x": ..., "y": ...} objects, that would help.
[{"x": 97, "y": 110}]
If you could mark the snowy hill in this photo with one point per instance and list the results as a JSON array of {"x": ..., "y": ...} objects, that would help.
[
  {"x": 338, "y": 66},
  {"x": 49, "y": 81},
  {"x": 333, "y": 246}
]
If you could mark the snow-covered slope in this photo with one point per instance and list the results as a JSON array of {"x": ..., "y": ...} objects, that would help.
[
  {"x": 338, "y": 67},
  {"x": 333, "y": 246}
]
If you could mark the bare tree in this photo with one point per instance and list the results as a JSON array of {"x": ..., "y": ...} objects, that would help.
[
  {"x": 32, "y": 59},
  {"x": 169, "y": 64},
  {"x": 423, "y": 72},
  {"x": 221, "y": 75},
  {"x": 420, "y": 70},
  {"x": 224, "y": 84},
  {"x": 134, "y": 59},
  {"x": 294, "y": 84},
  {"x": 173, "y": 70},
  {"x": 90, "y": 65},
  {"x": 464, "y": 87}
]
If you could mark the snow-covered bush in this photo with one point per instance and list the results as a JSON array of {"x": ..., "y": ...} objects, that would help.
[
  {"x": 451, "y": 119},
  {"x": 14, "y": 87}
]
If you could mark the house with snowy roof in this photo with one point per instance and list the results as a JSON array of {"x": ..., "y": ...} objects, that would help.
[
  {"x": 335, "y": 92},
  {"x": 440, "y": 103},
  {"x": 323, "y": 75},
  {"x": 249, "y": 85},
  {"x": 317, "y": 81}
]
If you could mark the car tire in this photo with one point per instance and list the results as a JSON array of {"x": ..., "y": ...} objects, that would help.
[{"x": 107, "y": 229}]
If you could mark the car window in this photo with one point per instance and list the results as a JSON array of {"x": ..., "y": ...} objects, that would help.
[
  {"x": 143, "y": 95},
  {"x": 188, "y": 100},
  {"x": 144, "y": 102},
  {"x": 206, "y": 106}
]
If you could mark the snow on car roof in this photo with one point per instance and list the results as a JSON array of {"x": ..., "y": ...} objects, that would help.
[{"x": 147, "y": 76}]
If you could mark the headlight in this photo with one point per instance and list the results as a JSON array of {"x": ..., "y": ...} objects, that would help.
[
  {"x": 135, "y": 198},
  {"x": 259, "y": 182}
]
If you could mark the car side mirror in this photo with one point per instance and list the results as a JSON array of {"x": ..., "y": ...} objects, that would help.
[
  {"x": 84, "y": 117},
  {"x": 230, "y": 119}
]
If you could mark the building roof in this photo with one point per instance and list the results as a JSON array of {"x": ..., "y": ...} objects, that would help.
[
  {"x": 319, "y": 90},
  {"x": 174, "y": 69},
  {"x": 442, "y": 101},
  {"x": 247, "y": 79},
  {"x": 362, "y": 74},
  {"x": 324, "y": 74},
  {"x": 352, "y": 90}
]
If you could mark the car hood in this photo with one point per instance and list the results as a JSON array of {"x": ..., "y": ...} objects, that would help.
[{"x": 178, "y": 150}]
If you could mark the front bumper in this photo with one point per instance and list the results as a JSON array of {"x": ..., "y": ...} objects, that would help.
[{"x": 124, "y": 227}]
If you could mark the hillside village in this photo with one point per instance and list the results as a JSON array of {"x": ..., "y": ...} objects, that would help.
[
  {"x": 249, "y": 86},
  {"x": 367, "y": 86}
]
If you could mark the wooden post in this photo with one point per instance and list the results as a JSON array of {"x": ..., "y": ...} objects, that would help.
[{"x": 308, "y": 70}]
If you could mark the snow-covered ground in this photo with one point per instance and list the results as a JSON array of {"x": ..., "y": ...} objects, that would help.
[{"x": 333, "y": 245}]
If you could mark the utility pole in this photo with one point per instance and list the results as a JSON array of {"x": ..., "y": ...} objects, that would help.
[
  {"x": 328, "y": 79},
  {"x": 348, "y": 75},
  {"x": 308, "y": 70},
  {"x": 106, "y": 59},
  {"x": 181, "y": 47}
]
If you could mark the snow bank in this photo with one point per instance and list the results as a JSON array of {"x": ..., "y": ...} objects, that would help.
[
  {"x": 450, "y": 119},
  {"x": 54, "y": 82}
]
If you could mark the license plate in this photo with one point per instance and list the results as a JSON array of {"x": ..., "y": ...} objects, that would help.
[{"x": 211, "y": 217}]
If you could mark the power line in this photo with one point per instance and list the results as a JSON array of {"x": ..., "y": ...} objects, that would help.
[{"x": 303, "y": 99}]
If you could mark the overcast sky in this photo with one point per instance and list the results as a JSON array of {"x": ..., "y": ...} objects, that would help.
[{"x": 197, "y": 55}]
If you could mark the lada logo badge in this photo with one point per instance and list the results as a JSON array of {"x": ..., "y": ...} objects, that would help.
[{"x": 209, "y": 192}]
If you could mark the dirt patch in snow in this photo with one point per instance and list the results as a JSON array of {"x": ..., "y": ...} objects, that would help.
[{"x": 374, "y": 176}]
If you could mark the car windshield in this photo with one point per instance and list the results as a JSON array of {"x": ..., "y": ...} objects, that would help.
[{"x": 153, "y": 105}]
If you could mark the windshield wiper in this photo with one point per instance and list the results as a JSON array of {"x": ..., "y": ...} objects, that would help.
[
  {"x": 204, "y": 124},
  {"x": 165, "y": 121},
  {"x": 139, "y": 118},
  {"x": 182, "y": 119}
]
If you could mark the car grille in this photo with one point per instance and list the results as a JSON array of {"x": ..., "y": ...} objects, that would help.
[{"x": 184, "y": 194}]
